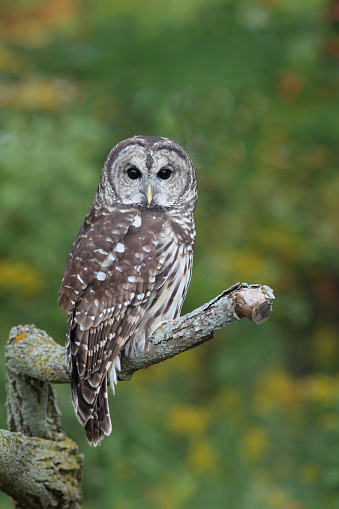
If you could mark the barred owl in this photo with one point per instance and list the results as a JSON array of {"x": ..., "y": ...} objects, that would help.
[{"x": 129, "y": 267}]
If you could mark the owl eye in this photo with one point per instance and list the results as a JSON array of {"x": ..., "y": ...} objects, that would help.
[
  {"x": 164, "y": 174},
  {"x": 133, "y": 173}
]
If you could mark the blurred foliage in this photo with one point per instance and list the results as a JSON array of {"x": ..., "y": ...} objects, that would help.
[{"x": 251, "y": 90}]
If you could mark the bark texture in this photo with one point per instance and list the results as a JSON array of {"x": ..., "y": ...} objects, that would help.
[
  {"x": 40, "y": 473},
  {"x": 39, "y": 465}
]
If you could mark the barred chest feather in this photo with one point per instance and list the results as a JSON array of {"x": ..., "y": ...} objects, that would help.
[{"x": 164, "y": 304}]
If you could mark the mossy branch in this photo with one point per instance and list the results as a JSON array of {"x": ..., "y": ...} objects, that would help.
[
  {"x": 40, "y": 473},
  {"x": 39, "y": 465}
]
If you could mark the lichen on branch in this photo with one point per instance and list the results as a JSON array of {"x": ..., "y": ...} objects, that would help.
[
  {"x": 33, "y": 353},
  {"x": 40, "y": 466}
]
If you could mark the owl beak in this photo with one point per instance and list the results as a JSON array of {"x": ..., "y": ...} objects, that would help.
[{"x": 149, "y": 195}]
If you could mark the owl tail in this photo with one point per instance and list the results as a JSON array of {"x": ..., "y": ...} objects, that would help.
[
  {"x": 91, "y": 407},
  {"x": 99, "y": 423}
]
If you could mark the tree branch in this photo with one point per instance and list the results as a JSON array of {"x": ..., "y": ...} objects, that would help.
[
  {"x": 40, "y": 473},
  {"x": 40, "y": 466},
  {"x": 38, "y": 356},
  {"x": 191, "y": 330}
]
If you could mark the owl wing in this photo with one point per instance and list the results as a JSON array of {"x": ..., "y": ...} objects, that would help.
[{"x": 116, "y": 262}]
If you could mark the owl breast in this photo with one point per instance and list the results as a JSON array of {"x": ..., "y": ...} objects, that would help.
[{"x": 164, "y": 304}]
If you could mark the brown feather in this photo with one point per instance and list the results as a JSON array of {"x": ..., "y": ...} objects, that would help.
[{"x": 127, "y": 272}]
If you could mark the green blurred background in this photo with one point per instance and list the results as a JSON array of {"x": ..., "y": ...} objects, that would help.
[{"x": 249, "y": 420}]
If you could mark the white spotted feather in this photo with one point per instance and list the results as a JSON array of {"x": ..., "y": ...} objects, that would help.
[{"x": 129, "y": 267}]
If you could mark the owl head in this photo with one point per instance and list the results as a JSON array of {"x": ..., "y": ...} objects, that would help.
[{"x": 148, "y": 172}]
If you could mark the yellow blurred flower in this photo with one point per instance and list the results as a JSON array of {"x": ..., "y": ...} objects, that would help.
[
  {"x": 19, "y": 276},
  {"x": 37, "y": 94},
  {"x": 248, "y": 264},
  {"x": 188, "y": 420},
  {"x": 202, "y": 457},
  {"x": 276, "y": 389},
  {"x": 281, "y": 390},
  {"x": 322, "y": 389},
  {"x": 254, "y": 444}
]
